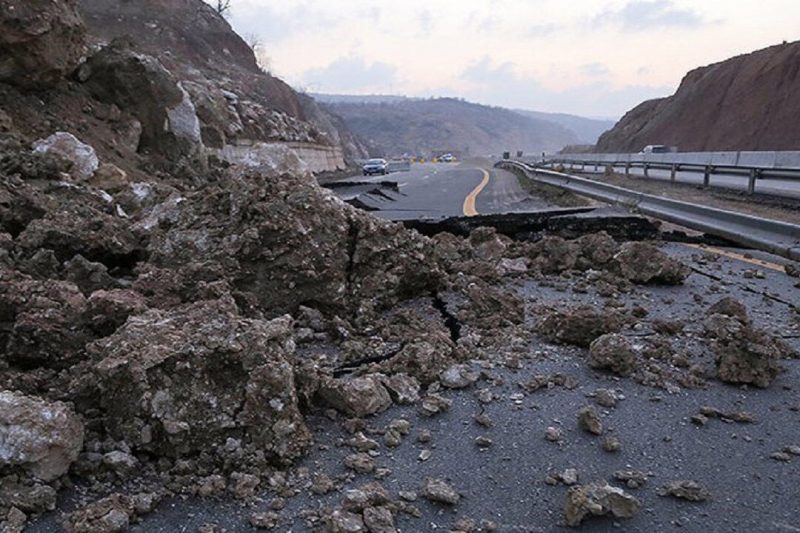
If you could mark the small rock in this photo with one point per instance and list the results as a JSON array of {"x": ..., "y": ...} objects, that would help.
[
  {"x": 483, "y": 442},
  {"x": 401, "y": 426},
  {"x": 379, "y": 520},
  {"x": 403, "y": 389},
  {"x": 424, "y": 436},
  {"x": 424, "y": 455},
  {"x": 322, "y": 484},
  {"x": 15, "y": 521},
  {"x": 437, "y": 490},
  {"x": 434, "y": 404},
  {"x": 685, "y": 489},
  {"x": 589, "y": 421},
  {"x": 360, "y": 397},
  {"x": 362, "y": 443},
  {"x": 458, "y": 377},
  {"x": 792, "y": 450},
  {"x": 634, "y": 479},
  {"x": 345, "y": 522},
  {"x": 120, "y": 463},
  {"x": 605, "y": 398},
  {"x": 553, "y": 434},
  {"x": 598, "y": 499},
  {"x": 613, "y": 352},
  {"x": 569, "y": 477},
  {"x": 782, "y": 457},
  {"x": 483, "y": 420},
  {"x": 362, "y": 463},
  {"x": 244, "y": 485},
  {"x": 612, "y": 444},
  {"x": 268, "y": 520}
]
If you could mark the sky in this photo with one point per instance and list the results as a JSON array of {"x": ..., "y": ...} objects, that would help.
[{"x": 595, "y": 58}]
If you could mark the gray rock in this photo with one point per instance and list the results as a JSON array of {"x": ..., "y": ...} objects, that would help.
[
  {"x": 42, "y": 438},
  {"x": 360, "y": 397},
  {"x": 589, "y": 421},
  {"x": 437, "y": 490},
  {"x": 83, "y": 159},
  {"x": 458, "y": 377},
  {"x": 598, "y": 499}
]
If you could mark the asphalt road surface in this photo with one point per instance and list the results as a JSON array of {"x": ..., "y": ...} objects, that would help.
[
  {"x": 789, "y": 188},
  {"x": 444, "y": 190}
]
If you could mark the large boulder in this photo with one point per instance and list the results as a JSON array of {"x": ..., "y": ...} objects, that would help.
[
  {"x": 643, "y": 263},
  {"x": 290, "y": 243},
  {"x": 82, "y": 157},
  {"x": 41, "y": 322},
  {"x": 42, "y": 438},
  {"x": 185, "y": 381},
  {"x": 140, "y": 85},
  {"x": 41, "y": 41}
]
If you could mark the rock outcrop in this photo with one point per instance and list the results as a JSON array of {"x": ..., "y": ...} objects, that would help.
[
  {"x": 41, "y": 41},
  {"x": 749, "y": 102}
]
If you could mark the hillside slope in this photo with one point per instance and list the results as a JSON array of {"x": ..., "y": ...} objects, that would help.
[
  {"x": 446, "y": 124},
  {"x": 219, "y": 71},
  {"x": 749, "y": 102},
  {"x": 588, "y": 130}
]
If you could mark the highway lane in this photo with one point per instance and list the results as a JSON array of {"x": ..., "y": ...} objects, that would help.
[{"x": 445, "y": 190}]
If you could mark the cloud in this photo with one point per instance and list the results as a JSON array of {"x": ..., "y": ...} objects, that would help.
[
  {"x": 502, "y": 85},
  {"x": 351, "y": 73},
  {"x": 595, "y": 70},
  {"x": 542, "y": 30},
  {"x": 273, "y": 26},
  {"x": 642, "y": 15}
]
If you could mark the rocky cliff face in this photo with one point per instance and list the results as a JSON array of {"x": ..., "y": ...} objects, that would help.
[{"x": 749, "y": 102}]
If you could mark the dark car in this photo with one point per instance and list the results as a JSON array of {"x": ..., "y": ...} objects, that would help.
[{"x": 376, "y": 166}]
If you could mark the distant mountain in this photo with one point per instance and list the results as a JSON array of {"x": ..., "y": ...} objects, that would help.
[
  {"x": 396, "y": 125},
  {"x": 588, "y": 130},
  {"x": 359, "y": 98},
  {"x": 749, "y": 102}
]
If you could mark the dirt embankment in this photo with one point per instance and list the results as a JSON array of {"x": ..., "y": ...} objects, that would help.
[{"x": 750, "y": 102}]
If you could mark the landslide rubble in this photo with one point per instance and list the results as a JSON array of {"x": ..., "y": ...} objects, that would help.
[{"x": 172, "y": 325}]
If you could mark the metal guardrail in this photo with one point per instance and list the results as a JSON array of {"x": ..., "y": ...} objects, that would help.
[
  {"x": 772, "y": 236},
  {"x": 753, "y": 165}
]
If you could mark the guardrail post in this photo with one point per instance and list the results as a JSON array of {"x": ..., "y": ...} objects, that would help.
[
  {"x": 707, "y": 176},
  {"x": 596, "y": 166},
  {"x": 673, "y": 173},
  {"x": 751, "y": 183},
  {"x": 627, "y": 168},
  {"x": 647, "y": 170}
]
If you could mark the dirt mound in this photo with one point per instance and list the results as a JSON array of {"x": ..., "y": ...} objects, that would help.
[{"x": 749, "y": 102}]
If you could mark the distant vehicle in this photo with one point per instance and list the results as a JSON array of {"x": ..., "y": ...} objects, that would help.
[
  {"x": 447, "y": 158},
  {"x": 658, "y": 149},
  {"x": 376, "y": 166}
]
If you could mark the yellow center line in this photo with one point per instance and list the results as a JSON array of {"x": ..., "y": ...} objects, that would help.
[
  {"x": 740, "y": 257},
  {"x": 469, "y": 201}
]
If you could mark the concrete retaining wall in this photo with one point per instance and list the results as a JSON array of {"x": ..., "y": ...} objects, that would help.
[{"x": 284, "y": 157}]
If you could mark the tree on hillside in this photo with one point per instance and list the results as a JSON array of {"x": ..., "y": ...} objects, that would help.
[{"x": 222, "y": 7}]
